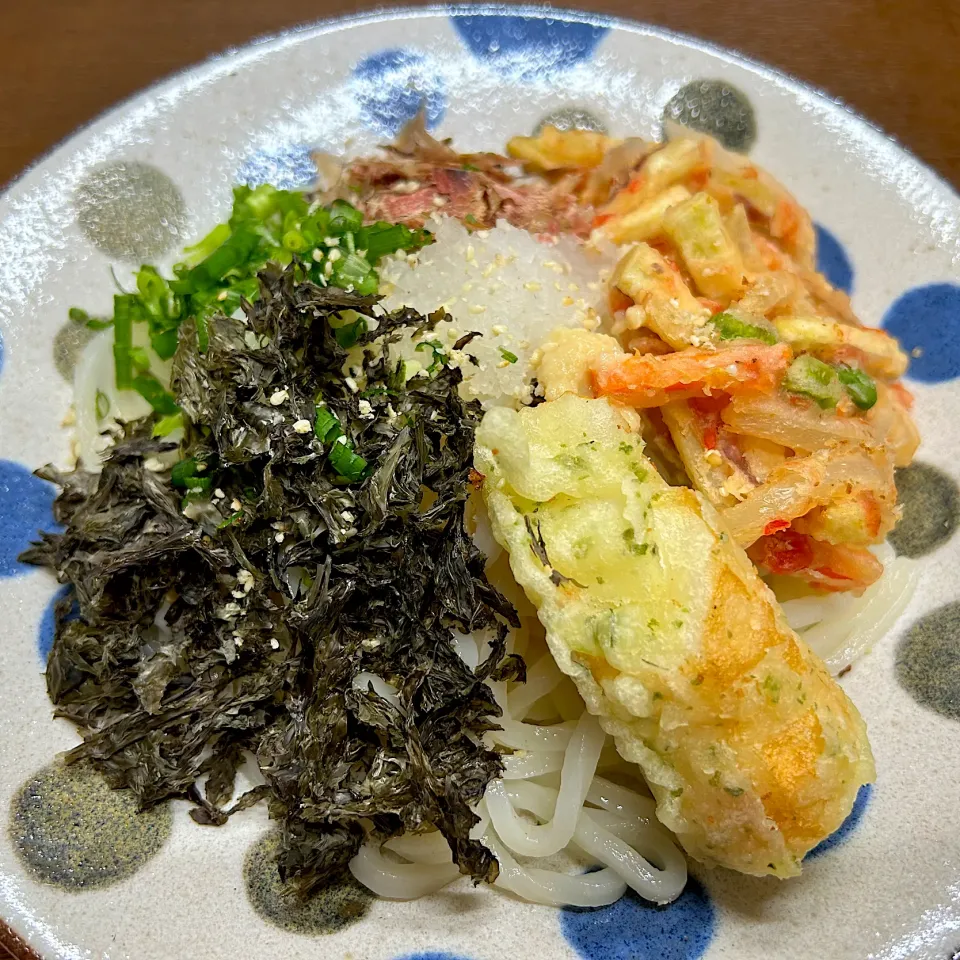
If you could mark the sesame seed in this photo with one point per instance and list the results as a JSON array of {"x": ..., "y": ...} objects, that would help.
[
  {"x": 477, "y": 308},
  {"x": 334, "y": 255},
  {"x": 497, "y": 329},
  {"x": 278, "y": 536},
  {"x": 218, "y": 494},
  {"x": 503, "y": 364},
  {"x": 532, "y": 286},
  {"x": 351, "y": 384},
  {"x": 332, "y": 242},
  {"x": 279, "y": 396},
  {"x": 274, "y": 643},
  {"x": 302, "y": 426},
  {"x": 439, "y": 202},
  {"x": 223, "y": 294},
  {"x": 235, "y": 505},
  {"x": 317, "y": 254}
]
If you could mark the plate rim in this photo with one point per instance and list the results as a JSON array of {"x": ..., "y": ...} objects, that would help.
[{"x": 231, "y": 56}]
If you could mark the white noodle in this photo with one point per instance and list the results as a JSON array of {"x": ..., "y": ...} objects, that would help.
[
  {"x": 579, "y": 766},
  {"x": 542, "y": 678},
  {"x": 622, "y": 800},
  {"x": 840, "y": 627},
  {"x": 526, "y": 736},
  {"x": 466, "y": 647},
  {"x": 526, "y": 765},
  {"x": 400, "y": 881},
  {"x": 365, "y": 681},
  {"x": 551, "y": 887},
  {"x": 421, "y": 847}
]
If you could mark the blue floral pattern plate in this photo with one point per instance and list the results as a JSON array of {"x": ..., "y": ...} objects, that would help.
[{"x": 82, "y": 875}]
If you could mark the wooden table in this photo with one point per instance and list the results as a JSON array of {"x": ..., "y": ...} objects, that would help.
[{"x": 895, "y": 61}]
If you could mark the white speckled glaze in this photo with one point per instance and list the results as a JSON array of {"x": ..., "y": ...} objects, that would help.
[{"x": 891, "y": 891}]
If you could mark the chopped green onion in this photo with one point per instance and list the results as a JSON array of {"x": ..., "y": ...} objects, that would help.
[
  {"x": 140, "y": 359},
  {"x": 346, "y": 462},
  {"x": 203, "y": 249},
  {"x": 344, "y": 218},
  {"x": 102, "y": 405},
  {"x": 347, "y": 335},
  {"x": 166, "y": 425},
  {"x": 294, "y": 241},
  {"x": 183, "y": 471},
  {"x": 436, "y": 349},
  {"x": 732, "y": 327},
  {"x": 380, "y": 239},
  {"x": 508, "y": 356},
  {"x": 199, "y": 485},
  {"x": 326, "y": 426},
  {"x": 230, "y": 255},
  {"x": 230, "y": 521},
  {"x": 165, "y": 343},
  {"x": 154, "y": 392},
  {"x": 221, "y": 271},
  {"x": 122, "y": 340},
  {"x": 815, "y": 379},
  {"x": 861, "y": 388}
]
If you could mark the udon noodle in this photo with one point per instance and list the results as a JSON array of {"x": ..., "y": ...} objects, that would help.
[{"x": 550, "y": 816}]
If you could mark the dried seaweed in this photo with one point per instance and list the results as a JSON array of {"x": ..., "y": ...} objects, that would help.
[{"x": 236, "y": 619}]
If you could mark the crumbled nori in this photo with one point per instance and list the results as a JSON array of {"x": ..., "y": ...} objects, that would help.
[{"x": 346, "y": 578}]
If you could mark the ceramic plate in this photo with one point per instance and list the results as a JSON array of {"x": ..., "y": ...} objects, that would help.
[{"x": 81, "y": 875}]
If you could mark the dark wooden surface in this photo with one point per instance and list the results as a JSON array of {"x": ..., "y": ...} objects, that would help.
[{"x": 895, "y": 61}]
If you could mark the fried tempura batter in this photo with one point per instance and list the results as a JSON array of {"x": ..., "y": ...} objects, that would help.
[{"x": 753, "y": 752}]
